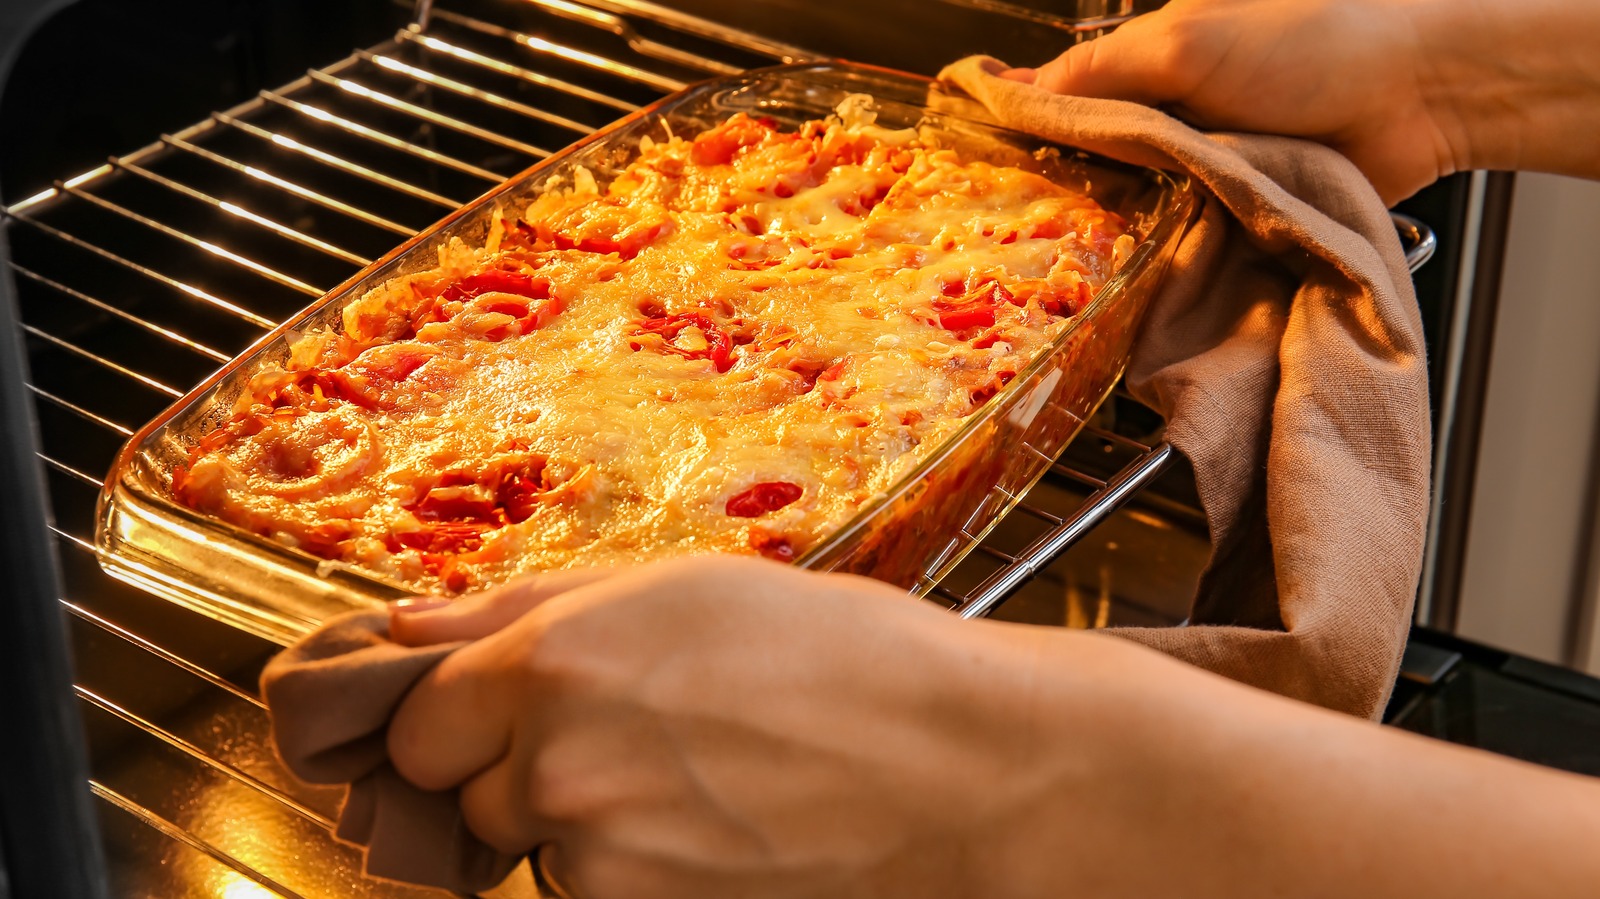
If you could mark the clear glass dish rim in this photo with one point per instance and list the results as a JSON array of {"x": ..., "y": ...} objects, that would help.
[{"x": 1178, "y": 202}]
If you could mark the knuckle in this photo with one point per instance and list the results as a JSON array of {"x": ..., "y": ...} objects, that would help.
[
  {"x": 557, "y": 659},
  {"x": 485, "y": 809},
  {"x": 408, "y": 750},
  {"x": 560, "y": 789},
  {"x": 1184, "y": 51}
]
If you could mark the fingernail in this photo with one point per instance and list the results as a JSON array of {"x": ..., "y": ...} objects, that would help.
[
  {"x": 1026, "y": 76},
  {"x": 413, "y": 604}
]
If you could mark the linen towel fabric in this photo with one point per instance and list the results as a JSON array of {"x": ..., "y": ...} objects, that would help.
[
  {"x": 1286, "y": 352},
  {"x": 331, "y": 696}
]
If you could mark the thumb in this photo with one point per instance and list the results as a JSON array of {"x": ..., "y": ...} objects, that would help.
[{"x": 428, "y": 621}]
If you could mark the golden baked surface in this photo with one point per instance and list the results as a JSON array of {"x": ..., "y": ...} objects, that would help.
[{"x": 729, "y": 348}]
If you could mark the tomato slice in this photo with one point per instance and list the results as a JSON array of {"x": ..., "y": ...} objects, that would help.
[
  {"x": 519, "y": 489},
  {"x": 444, "y": 537},
  {"x": 498, "y": 282},
  {"x": 718, "y": 348},
  {"x": 975, "y": 308},
  {"x": 767, "y": 496},
  {"x": 960, "y": 318},
  {"x": 719, "y": 145},
  {"x": 457, "y": 504},
  {"x": 772, "y": 546}
]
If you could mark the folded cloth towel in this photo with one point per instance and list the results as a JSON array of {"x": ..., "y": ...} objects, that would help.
[
  {"x": 331, "y": 696},
  {"x": 1286, "y": 352}
]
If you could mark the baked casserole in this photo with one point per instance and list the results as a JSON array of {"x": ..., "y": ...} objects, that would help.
[{"x": 731, "y": 346}]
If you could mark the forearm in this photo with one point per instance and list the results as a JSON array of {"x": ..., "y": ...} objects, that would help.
[
  {"x": 1513, "y": 86},
  {"x": 1156, "y": 779}
]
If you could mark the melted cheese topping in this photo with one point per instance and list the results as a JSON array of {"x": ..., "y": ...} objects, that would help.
[{"x": 729, "y": 348}]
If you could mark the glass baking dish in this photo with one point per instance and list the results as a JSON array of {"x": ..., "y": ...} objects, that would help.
[{"x": 910, "y": 535}]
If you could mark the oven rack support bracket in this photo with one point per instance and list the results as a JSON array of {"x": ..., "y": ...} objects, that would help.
[{"x": 1049, "y": 546}]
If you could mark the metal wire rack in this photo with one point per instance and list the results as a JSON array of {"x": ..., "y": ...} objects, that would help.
[{"x": 136, "y": 278}]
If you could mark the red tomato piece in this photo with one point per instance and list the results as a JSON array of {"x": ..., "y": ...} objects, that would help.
[
  {"x": 719, "y": 145},
  {"x": 399, "y": 366},
  {"x": 773, "y": 547},
  {"x": 718, "y": 348},
  {"x": 355, "y": 389},
  {"x": 768, "y": 496},
  {"x": 323, "y": 539},
  {"x": 456, "y": 504},
  {"x": 975, "y": 309},
  {"x": 587, "y": 244},
  {"x": 444, "y": 537},
  {"x": 518, "y": 493},
  {"x": 1069, "y": 304},
  {"x": 960, "y": 318},
  {"x": 498, "y": 282}
]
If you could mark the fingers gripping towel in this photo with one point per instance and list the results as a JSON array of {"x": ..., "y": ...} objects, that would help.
[
  {"x": 1286, "y": 352},
  {"x": 332, "y": 695}
]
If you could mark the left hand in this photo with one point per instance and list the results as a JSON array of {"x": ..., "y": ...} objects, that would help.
[{"x": 718, "y": 726}]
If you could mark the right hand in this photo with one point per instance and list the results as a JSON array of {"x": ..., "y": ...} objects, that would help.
[{"x": 1352, "y": 74}]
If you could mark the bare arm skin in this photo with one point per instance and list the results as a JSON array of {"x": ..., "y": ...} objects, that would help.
[
  {"x": 734, "y": 728},
  {"x": 1410, "y": 90}
]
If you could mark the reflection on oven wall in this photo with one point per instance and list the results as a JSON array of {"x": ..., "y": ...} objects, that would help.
[{"x": 1531, "y": 579}]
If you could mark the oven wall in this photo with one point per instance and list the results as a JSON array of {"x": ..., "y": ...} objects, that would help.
[{"x": 1530, "y": 577}]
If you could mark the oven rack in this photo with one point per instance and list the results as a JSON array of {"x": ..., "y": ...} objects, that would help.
[
  {"x": 136, "y": 278},
  {"x": 169, "y": 313}
]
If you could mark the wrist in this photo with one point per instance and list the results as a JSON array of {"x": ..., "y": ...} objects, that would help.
[
  {"x": 1511, "y": 87},
  {"x": 1057, "y": 738}
]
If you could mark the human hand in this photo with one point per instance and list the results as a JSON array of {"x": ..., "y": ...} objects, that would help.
[
  {"x": 1409, "y": 90},
  {"x": 731, "y": 727},
  {"x": 1342, "y": 72},
  {"x": 717, "y": 726}
]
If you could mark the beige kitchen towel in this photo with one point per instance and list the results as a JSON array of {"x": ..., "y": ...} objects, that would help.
[
  {"x": 1286, "y": 352},
  {"x": 331, "y": 697}
]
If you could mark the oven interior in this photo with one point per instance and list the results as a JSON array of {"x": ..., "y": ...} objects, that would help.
[{"x": 138, "y": 277}]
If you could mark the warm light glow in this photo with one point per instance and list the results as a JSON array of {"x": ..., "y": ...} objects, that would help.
[{"x": 234, "y": 885}]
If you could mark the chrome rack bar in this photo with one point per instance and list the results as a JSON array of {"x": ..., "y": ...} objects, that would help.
[
  {"x": 191, "y": 290},
  {"x": 379, "y": 137},
  {"x": 223, "y": 253},
  {"x": 73, "y": 348},
  {"x": 445, "y": 48},
  {"x": 184, "y": 746},
  {"x": 357, "y": 89},
  {"x": 238, "y": 211},
  {"x": 174, "y": 832},
  {"x": 702, "y": 28},
  {"x": 287, "y": 186},
  {"x": 336, "y": 162},
  {"x": 161, "y": 652},
  {"x": 994, "y": 553},
  {"x": 550, "y": 48},
  {"x": 1076, "y": 475},
  {"x": 173, "y": 336},
  {"x": 68, "y": 470},
  {"x": 1047, "y": 517},
  {"x": 1000, "y": 585},
  {"x": 641, "y": 45},
  {"x": 423, "y": 76},
  {"x": 79, "y": 411}
]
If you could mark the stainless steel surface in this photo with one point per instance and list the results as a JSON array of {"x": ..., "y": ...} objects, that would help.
[
  {"x": 1109, "y": 495},
  {"x": 1418, "y": 239},
  {"x": 141, "y": 275}
]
